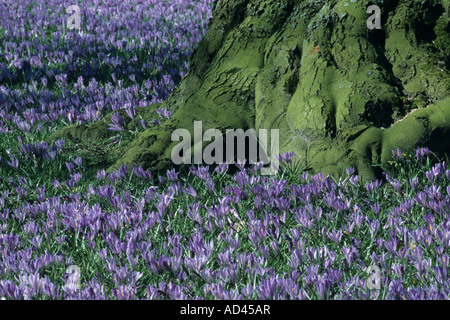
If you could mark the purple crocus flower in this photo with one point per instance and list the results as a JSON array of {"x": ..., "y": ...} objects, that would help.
[
  {"x": 399, "y": 270},
  {"x": 416, "y": 293},
  {"x": 164, "y": 113},
  {"x": 124, "y": 292},
  {"x": 240, "y": 164},
  {"x": 430, "y": 176},
  {"x": 112, "y": 177},
  {"x": 429, "y": 218},
  {"x": 414, "y": 182},
  {"x": 354, "y": 180},
  {"x": 35, "y": 282},
  {"x": 437, "y": 171},
  {"x": 48, "y": 288},
  {"x": 70, "y": 116},
  {"x": 76, "y": 177},
  {"x": 335, "y": 236},
  {"x": 4, "y": 215},
  {"x": 286, "y": 158},
  {"x": 397, "y": 154},
  {"x": 131, "y": 112},
  {"x": 359, "y": 219},
  {"x": 60, "y": 144},
  {"x": 267, "y": 288},
  {"x": 375, "y": 208},
  {"x": 221, "y": 168},
  {"x": 36, "y": 241},
  {"x": 391, "y": 245},
  {"x": 14, "y": 163},
  {"x": 101, "y": 174},
  {"x": 323, "y": 287},
  {"x": 434, "y": 192},
  {"x": 70, "y": 166},
  {"x": 78, "y": 161},
  {"x": 117, "y": 123},
  {"x": 52, "y": 154},
  {"x": 210, "y": 184},
  {"x": 265, "y": 251},
  {"x": 24, "y": 126},
  {"x": 397, "y": 186},
  {"x": 348, "y": 253},
  {"x": 13, "y": 291},
  {"x": 373, "y": 225},
  {"x": 247, "y": 291},
  {"x": 139, "y": 171},
  {"x": 396, "y": 290},
  {"x": 331, "y": 258},
  {"x": 421, "y": 152},
  {"x": 369, "y": 187},
  {"x": 217, "y": 291},
  {"x": 350, "y": 170},
  {"x": 69, "y": 183},
  {"x": 190, "y": 191},
  {"x": 172, "y": 175},
  {"x": 22, "y": 192},
  {"x": 421, "y": 198},
  {"x": 193, "y": 213}
]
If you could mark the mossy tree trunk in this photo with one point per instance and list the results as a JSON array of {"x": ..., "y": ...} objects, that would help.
[{"x": 340, "y": 94}]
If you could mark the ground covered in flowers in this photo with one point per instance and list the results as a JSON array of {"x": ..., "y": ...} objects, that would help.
[{"x": 70, "y": 231}]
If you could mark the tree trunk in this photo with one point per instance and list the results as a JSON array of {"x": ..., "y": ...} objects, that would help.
[{"x": 340, "y": 94}]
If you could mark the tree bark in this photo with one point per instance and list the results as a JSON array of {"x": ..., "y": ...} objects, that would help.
[{"x": 339, "y": 93}]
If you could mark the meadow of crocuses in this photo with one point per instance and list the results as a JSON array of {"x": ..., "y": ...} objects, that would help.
[{"x": 70, "y": 231}]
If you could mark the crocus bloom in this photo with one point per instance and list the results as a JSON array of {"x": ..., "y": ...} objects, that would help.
[
  {"x": 101, "y": 174},
  {"x": 335, "y": 236},
  {"x": 421, "y": 152},
  {"x": 131, "y": 112},
  {"x": 117, "y": 123},
  {"x": 190, "y": 191},
  {"x": 78, "y": 161},
  {"x": 397, "y": 186}
]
